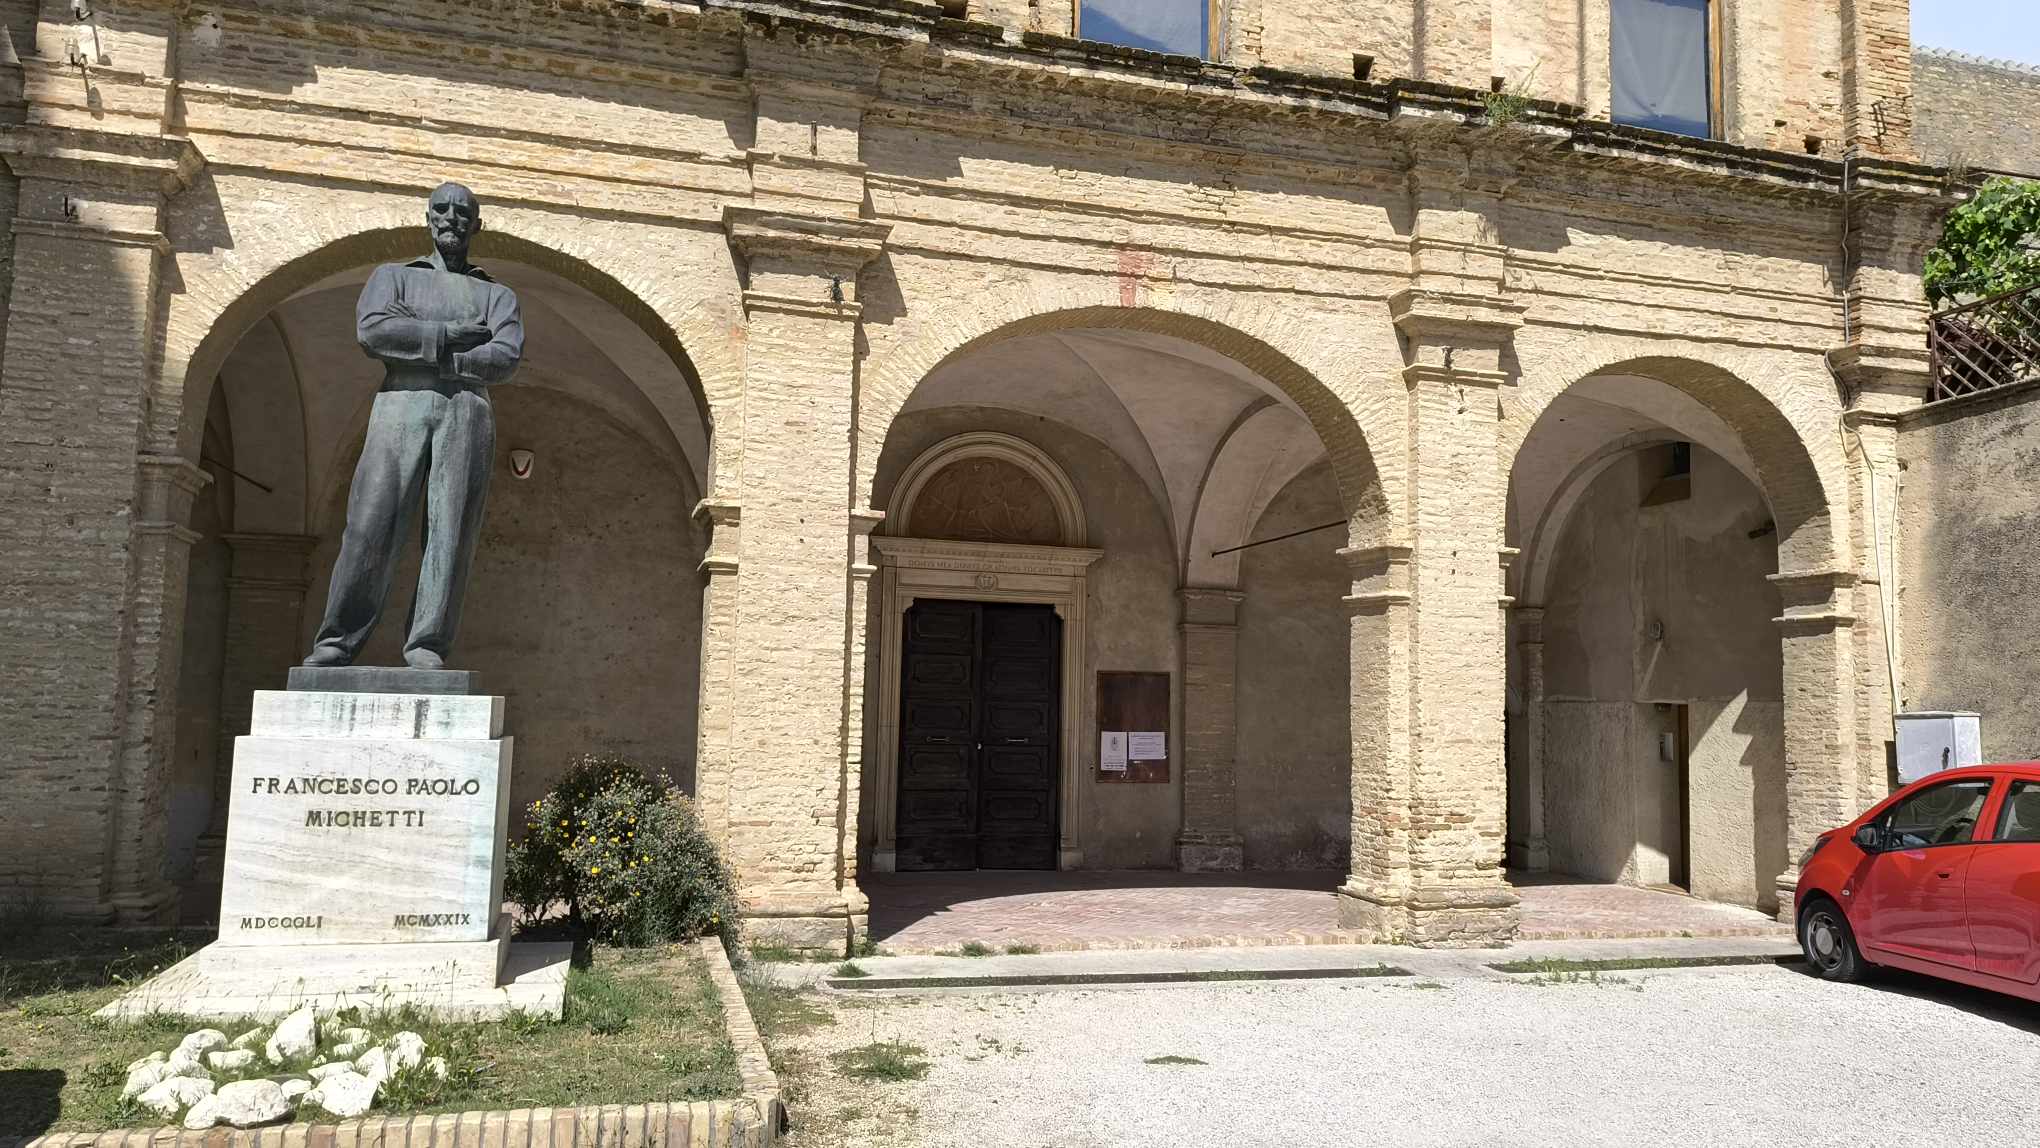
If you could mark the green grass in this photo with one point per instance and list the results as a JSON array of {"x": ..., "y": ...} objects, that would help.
[
  {"x": 889, "y": 1060},
  {"x": 851, "y": 969},
  {"x": 639, "y": 1026},
  {"x": 1622, "y": 964},
  {"x": 1172, "y": 1060},
  {"x": 975, "y": 949},
  {"x": 1022, "y": 950}
]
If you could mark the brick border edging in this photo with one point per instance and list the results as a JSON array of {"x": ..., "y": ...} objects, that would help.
[{"x": 753, "y": 1120}]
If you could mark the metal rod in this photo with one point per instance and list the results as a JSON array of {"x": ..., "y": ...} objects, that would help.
[
  {"x": 1279, "y": 537},
  {"x": 261, "y": 486}
]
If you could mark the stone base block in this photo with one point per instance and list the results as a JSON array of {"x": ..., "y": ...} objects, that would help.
[
  {"x": 821, "y": 936},
  {"x": 1373, "y": 916},
  {"x": 1453, "y": 917},
  {"x": 1196, "y": 857},
  {"x": 383, "y": 680},
  {"x": 457, "y": 980}
]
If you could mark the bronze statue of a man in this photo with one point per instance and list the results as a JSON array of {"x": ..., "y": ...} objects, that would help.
[{"x": 445, "y": 333}]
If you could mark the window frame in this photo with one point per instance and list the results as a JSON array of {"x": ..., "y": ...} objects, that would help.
[
  {"x": 1992, "y": 790},
  {"x": 2003, "y": 813},
  {"x": 1716, "y": 74},
  {"x": 1214, "y": 31}
]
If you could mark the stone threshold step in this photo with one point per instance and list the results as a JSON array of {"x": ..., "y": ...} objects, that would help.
[{"x": 1157, "y": 977}]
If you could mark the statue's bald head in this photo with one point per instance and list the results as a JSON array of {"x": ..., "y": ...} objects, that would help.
[{"x": 452, "y": 216}]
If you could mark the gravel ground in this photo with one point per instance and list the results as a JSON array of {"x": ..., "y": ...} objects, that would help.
[{"x": 1758, "y": 1055}]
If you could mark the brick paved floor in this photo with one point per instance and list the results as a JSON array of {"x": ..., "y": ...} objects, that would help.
[{"x": 930, "y": 912}]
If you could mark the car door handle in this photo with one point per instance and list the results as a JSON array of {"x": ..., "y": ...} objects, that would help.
[{"x": 1944, "y": 874}]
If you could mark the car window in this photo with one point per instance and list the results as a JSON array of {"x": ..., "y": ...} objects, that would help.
[
  {"x": 2019, "y": 820},
  {"x": 1938, "y": 815}
]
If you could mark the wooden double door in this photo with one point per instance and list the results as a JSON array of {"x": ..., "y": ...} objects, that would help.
[{"x": 980, "y": 735}]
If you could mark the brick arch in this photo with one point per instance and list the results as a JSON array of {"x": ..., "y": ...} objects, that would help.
[
  {"x": 1778, "y": 422},
  {"x": 222, "y": 296},
  {"x": 1273, "y": 343}
]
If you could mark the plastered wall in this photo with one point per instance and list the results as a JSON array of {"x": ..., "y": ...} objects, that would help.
[
  {"x": 600, "y": 536},
  {"x": 1295, "y": 738},
  {"x": 1649, "y": 608},
  {"x": 1968, "y": 576}
]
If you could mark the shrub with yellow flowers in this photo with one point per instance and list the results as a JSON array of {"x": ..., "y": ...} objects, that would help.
[{"x": 627, "y": 855}]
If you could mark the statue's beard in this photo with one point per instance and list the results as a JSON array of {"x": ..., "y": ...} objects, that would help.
[{"x": 450, "y": 244}]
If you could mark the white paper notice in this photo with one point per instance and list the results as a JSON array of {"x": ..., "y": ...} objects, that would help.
[
  {"x": 1147, "y": 746},
  {"x": 1112, "y": 751}
]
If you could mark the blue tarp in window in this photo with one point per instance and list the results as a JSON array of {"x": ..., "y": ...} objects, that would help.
[
  {"x": 1660, "y": 65},
  {"x": 1178, "y": 26}
]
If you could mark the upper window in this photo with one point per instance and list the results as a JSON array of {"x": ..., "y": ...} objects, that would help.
[
  {"x": 1938, "y": 815},
  {"x": 1183, "y": 27},
  {"x": 2019, "y": 820},
  {"x": 1661, "y": 60}
]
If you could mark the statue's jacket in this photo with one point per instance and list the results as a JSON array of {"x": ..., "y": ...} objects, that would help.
[{"x": 403, "y": 315}]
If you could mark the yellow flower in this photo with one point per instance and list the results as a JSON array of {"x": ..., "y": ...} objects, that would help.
[{"x": 595, "y": 870}]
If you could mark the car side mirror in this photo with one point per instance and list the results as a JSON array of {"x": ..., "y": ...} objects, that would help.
[{"x": 1870, "y": 839}]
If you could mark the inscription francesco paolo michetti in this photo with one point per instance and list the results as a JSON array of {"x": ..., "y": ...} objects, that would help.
[{"x": 445, "y": 333}]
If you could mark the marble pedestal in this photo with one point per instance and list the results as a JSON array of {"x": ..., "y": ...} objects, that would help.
[{"x": 366, "y": 834}]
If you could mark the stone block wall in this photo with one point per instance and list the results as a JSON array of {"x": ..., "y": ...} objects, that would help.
[{"x": 1976, "y": 113}]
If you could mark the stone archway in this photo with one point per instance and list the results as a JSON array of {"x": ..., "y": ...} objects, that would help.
[
  {"x": 1760, "y": 432},
  {"x": 225, "y": 303},
  {"x": 1202, "y": 505}
]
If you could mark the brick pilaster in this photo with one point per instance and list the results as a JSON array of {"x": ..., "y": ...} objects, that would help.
[
  {"x": 1531, "y": 850},
  {"x": 784, "y": 793},
  {"x": 1821, "y": 779},
  {"x": 93, "y": 547},
  {"x": 1210, "y": 838},
  {"x": 266, "y": 586}
]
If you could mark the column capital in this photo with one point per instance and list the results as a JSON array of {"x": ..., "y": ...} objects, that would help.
[
  {"x": 1811, "y": 598},
  {"x": 1885, "y": 376},
  {"x": 722, "y": 516},
  {"x": 164, "y": 165},
  {"x": 269, "y": 561},
  {"x": 1210, "y": 605},
  {"x": 824, "y": 244},
  {"x": 1433, "y": 315}
]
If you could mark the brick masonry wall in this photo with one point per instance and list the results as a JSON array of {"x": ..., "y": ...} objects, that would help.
[
  {"x": 1271, "y": 229},
  {"x": 1973, "y": 112}
]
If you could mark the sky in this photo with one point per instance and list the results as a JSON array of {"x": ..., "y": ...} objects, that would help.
[{"x": 2000, "y": 29}]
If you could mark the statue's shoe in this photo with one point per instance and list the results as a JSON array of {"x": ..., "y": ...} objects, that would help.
[
  {"x": 424, "y": 660},
  {"x": 328, "y": 656}
]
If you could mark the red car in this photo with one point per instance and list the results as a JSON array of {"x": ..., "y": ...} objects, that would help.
[{"x": 1940, "y": 878}]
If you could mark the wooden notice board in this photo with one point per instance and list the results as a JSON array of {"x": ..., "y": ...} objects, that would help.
[{"x": 1133, "y": 726}]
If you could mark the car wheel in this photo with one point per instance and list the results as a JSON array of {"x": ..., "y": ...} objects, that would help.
[{"x": 1829, "y": 945}]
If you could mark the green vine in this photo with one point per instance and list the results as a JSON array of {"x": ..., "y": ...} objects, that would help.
[{"x": 1989, "y": 245}]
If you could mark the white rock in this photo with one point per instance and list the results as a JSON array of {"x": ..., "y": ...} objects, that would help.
[
  {"x": 436, "y": 1065},
  {"x": 293, "y": 1089},
  {"x": 322, "y": 1071},
  {"x": 232, "y": 1060},
  {"x": 345, "y": 1094},
  {"x": 174, "y": 1094},
  {"x": 146, "y": 1074},
  {"x": 406, "y": 1049},
  {"x": 296, "y": 1035},
  {"x": 374, "y": 1064},
  {"x": 354, "y": 1036},
  {"x": 246, "y": 1103},
  {"x": 250, "y": 1039},
  {"x": 204, "y": 1114},
  {"x": 203, "y": 1041},
  {"x": 348, "y": 1050},
  {"x": 152, "y": 1058}
]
